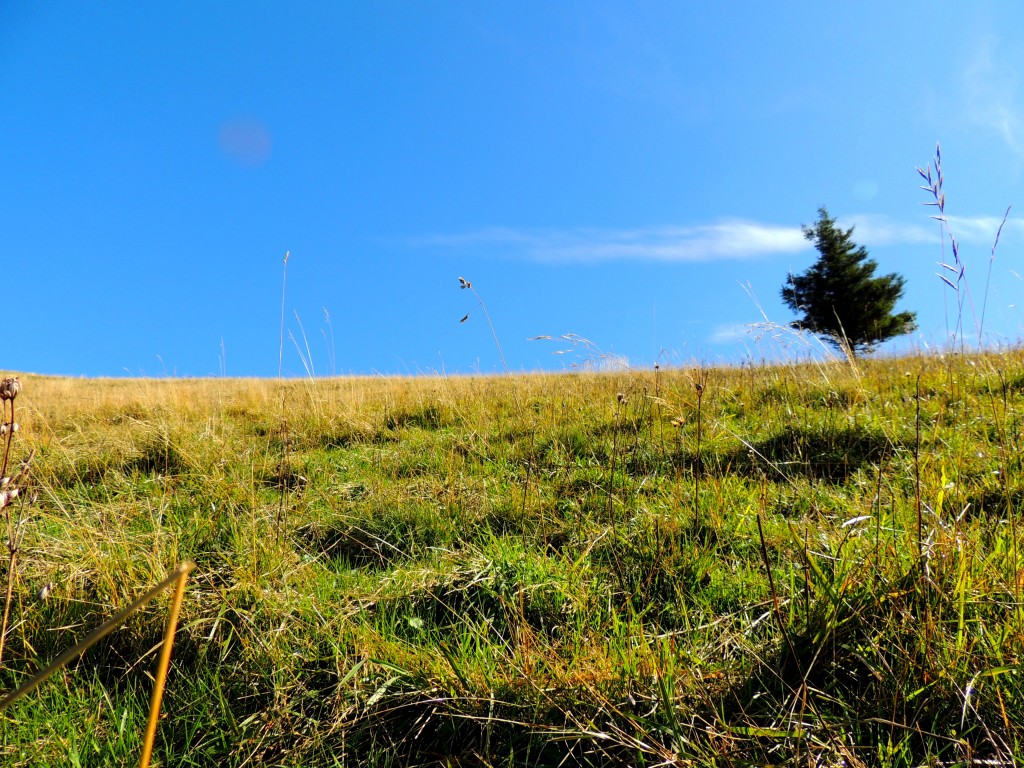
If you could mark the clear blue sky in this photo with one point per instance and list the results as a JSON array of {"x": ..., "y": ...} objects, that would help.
[{"x": 633, "y": 173}]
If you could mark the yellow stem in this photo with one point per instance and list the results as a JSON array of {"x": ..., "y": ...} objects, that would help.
[
  {"x": 7, "y": 601},
  {"x": 95, "y": 636},
  {"x": 161, "y": 671}
]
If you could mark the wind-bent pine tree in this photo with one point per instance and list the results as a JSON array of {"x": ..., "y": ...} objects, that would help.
[{"x": 840, "y": 298}]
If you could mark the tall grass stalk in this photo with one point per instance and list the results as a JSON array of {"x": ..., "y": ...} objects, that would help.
[
  {"x": 11, "y": 496},
  {"x": 954, "y": 276},
  {"x": 988, "y": 274},
  {"x": 181, "y": 577},
  {"x": 917, "y": 469},
  {"x": 307, "y": 359},
  {"x": 178, "y": 576},
  {"x": 958, "y": 284},
  {"x": 464, "y": 284},
  {"x": 331, "y": 350},
  {"x": 284, "y": 283},
  {"x": 282, "y": 462},
  {"x": 699, "y": 386}
]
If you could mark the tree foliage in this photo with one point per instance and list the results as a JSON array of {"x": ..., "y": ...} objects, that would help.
[{"x": 840, "y": 298}]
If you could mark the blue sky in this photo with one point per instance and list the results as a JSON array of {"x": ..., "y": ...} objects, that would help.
[{"x": 632, "y": 174}]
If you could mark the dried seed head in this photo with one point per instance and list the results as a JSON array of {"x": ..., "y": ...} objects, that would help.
[
  {"x": 621, "y": 397},
  {"x": 700, "y": 388},
  {"x": 9, "y": 388}
]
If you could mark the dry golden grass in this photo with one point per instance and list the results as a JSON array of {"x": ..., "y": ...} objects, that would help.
[{"x": 531, "y": 569}]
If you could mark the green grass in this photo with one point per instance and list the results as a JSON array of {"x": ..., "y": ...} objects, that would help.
[{"x": 531, "y": 570}]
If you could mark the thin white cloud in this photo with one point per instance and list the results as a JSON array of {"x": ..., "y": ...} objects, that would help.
[
  {"x": 732, "y": 240},
  {"x": 990, "y": 96},
  {"x": 732, "y": 332},
  {"x": 726, "y": 240},
  {"x": 877, "y": 229},
  {"x": 983, "y": 229}
]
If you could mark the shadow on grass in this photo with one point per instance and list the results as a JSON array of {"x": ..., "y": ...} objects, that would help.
[{"x": 814, "y": 453}]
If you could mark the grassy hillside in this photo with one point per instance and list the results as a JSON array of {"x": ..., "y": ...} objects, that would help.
[{"x": 812, "y": 565}]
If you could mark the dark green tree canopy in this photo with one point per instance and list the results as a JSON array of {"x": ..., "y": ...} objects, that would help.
[{"x": 840, "y": 298}]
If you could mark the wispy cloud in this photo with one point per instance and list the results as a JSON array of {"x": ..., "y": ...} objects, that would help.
[
  {"x": 733, "y": 240},
  {"x": 983, "y": 229},
  {"x": 990, "y": 96},
  {"x": 726, "y": 240},
  {"x": 878, "y": 229},
  {"x": 731, "y": 333}
]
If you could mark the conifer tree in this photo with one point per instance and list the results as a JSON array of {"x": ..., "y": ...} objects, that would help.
[{"x": 840, "y": 298}]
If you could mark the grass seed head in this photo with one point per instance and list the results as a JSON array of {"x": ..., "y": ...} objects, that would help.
[{"x": 9, "y": 388}]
